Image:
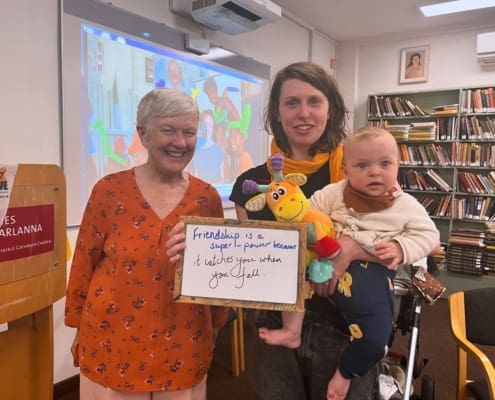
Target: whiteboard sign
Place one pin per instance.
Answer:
(255, 264)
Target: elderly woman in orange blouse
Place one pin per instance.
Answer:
(132, 340)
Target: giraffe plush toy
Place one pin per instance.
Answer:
(288, 203)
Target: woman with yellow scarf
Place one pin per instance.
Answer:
(306, 115)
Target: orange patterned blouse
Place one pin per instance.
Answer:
(133, 336)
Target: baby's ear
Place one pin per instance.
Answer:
(344, 169)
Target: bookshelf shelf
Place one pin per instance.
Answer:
(437, 217)
(475, 194)
(471, 167)
(480, 114)
(471, 220)
(446, 140)
(418, 166)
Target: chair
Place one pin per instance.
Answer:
(236, 320)
(472, 323)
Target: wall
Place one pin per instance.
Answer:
(372, 66)
(30, 103)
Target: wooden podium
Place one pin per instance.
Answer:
(32, 277)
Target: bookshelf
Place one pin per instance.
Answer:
(446, 140)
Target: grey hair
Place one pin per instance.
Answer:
(165, 103)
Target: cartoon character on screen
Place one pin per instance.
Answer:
(288, 203)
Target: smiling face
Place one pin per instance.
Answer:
(170, 142)
(303, 113)
(371, 163)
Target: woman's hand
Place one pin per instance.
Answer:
(74, 349)
(349, 251)
(321, 289)
(176, 242)
(340, 264)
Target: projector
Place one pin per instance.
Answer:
(235, 17)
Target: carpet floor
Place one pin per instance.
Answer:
(435, 344)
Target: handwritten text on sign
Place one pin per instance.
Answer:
(256, 263)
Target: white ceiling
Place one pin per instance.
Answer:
(356, 19)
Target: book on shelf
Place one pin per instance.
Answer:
(427, 202)
(431, 204)
(404, 154)
(439, 181)
(466, 241)
(490, 99)
(490, 188)
(465, 258)
(445, 109)
(487, 100)
(447, 128)
(470, 182)
(482, 100)
(400, 112)
(469, 237)
(445, 207)
(476, 208)
(490, 228)
(463, 184)
(415, 109)
(407, 180)
(458, 207)
(490, 212)
(487, 126)
(424, 157)
(466, 106)
(423, 130)
(477, 102)
(414, 155)
(398, 131)
(485, 207)
(442, 154)
(465, 128)
(479, 179)
(490, 178)
(423, 183)
(474, 154)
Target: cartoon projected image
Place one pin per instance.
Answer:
(117, 71)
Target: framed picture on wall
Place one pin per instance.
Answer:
(414, 64)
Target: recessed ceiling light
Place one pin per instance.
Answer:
(450, 7)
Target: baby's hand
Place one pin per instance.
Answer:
(389, 254)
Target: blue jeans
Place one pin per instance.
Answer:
(304, 373)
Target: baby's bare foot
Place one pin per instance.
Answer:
(281, 337)
(338, 387)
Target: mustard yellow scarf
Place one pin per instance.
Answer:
(334, 160)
